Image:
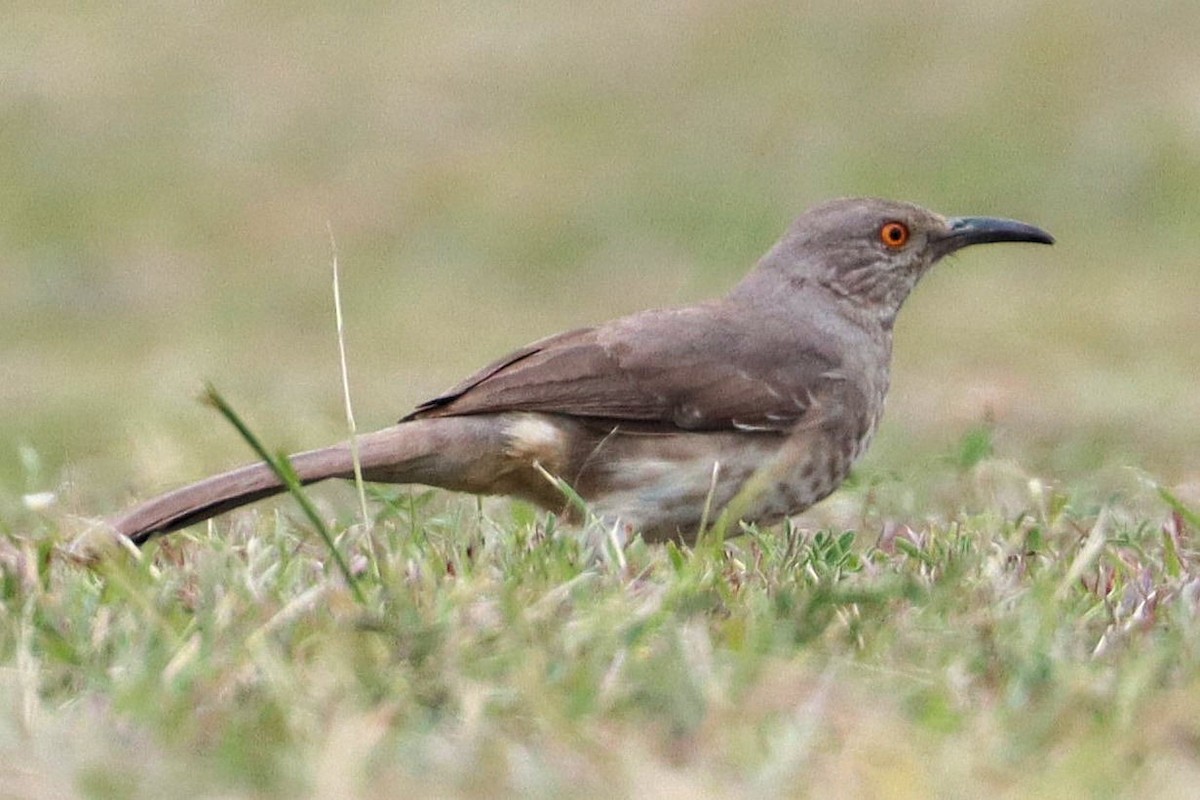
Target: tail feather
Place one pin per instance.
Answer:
(447, 452)
(220, 493)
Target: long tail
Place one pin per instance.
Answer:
(461, 453)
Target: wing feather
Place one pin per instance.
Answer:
(697, 368)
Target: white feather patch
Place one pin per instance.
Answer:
(533, 437)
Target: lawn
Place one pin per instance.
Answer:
(1002, 600)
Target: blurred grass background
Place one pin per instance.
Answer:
(494, 172)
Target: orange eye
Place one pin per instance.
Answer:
(894, 234)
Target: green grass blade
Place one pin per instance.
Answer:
(282, 468)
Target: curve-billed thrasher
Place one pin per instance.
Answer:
(661, 417)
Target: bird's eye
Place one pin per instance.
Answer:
(894, 234)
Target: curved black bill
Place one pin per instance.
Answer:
(965, 231)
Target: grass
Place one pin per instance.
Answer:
(1001, 600)
(1049, 649)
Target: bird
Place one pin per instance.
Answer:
(755, 404)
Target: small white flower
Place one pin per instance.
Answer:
(39, 501)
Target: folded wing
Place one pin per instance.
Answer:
(692, 369)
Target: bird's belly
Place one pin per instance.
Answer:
(666, 486)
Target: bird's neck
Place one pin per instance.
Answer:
(770, 287)
(868, 293)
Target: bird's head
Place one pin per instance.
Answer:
(872, 252)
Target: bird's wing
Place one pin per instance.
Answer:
(697, 368)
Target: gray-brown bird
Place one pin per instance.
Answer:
(661, 418)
